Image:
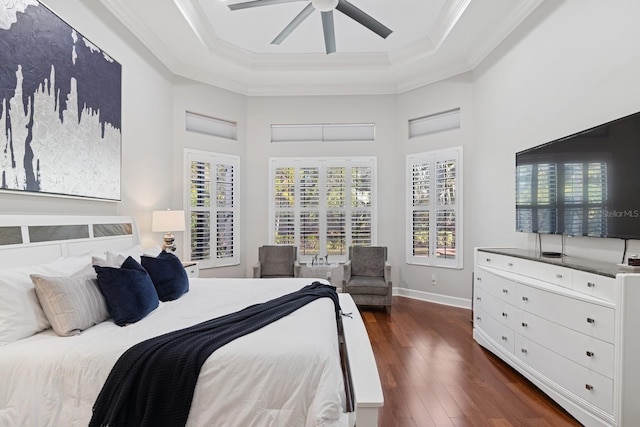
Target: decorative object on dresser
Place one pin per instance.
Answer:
(167, 222)
(277, 261)
(367, 276)
(565, 324)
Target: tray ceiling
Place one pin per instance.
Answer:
(431, 40)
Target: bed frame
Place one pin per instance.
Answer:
(36, 239)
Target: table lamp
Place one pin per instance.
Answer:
(168, 221)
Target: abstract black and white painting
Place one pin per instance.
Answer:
(60, 107)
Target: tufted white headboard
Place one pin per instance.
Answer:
(36, 239)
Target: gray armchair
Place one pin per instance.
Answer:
(277, 261)
(367, 276)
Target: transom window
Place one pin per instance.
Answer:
(322, 205)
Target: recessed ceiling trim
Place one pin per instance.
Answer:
(502, 32)
(194, 15)
(448, 18)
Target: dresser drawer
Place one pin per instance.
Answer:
(585, 350)
(500, 310)
(501, 334)
(584, 383)
(498, 286)
(489, 260)
(587, 318)
(595, 285)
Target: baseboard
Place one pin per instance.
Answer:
(430, 297)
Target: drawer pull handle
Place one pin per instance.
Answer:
(510, 264)
(478, 318)
(590, 353)
(524, 325)
(504, 338)
(479, 298)
(504, 314)
(488, 259)
(590, 320)
(558, 276)
(505, 291)
(479, 279)
(591, 285)
(588, 387)
(525, 298)
(523, 350)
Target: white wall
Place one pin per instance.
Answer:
(572, 65)
(219, 103)
(452, 286)
(146, 126)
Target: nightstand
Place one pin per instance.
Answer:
(192, 268)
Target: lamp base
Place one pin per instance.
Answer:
(168, 243)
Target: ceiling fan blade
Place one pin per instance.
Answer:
(358, 15)
(329, 32)
(256, 3)
(308, 10)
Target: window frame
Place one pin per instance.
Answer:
(431, 259)
(214, 158)
(324, 163)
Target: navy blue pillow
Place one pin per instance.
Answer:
(168, 275)
(128, 291)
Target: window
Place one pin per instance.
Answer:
(212, 208)
(210, 126)
(433, 123)
(322, 206)
(576, 208)
(323, 132)
(434, 211)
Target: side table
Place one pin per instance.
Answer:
(192, 268)
(331, 272)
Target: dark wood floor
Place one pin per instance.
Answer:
(434, 374)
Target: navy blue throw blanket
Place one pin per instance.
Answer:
(152, 384)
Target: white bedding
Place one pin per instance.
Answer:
(286, 374)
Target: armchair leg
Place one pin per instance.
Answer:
(388, 308)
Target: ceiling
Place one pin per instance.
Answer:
(431, 40)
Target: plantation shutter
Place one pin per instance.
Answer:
(433, 208)
(322, 205)
(212, 208)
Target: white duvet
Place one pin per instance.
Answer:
(286, 374)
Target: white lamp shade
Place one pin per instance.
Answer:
(164, 221)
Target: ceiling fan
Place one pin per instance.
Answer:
(326, 8)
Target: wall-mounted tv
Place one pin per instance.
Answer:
(586, 184)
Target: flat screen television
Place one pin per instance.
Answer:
(586, 184)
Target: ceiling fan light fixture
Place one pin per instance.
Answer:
(324, 5)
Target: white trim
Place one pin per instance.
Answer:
(431, 297)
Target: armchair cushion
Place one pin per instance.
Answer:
(363, 285)
(277, 261)
(368, 261)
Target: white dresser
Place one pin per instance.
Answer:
(571, 326)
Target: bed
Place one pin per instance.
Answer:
(297, 371)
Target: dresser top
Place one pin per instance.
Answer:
(590, 266)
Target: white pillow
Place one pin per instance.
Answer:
(118, 257)
(20, 312)
(71, 303)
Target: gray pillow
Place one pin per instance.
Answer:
(71, 304)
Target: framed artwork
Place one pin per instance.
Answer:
(60, 107)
